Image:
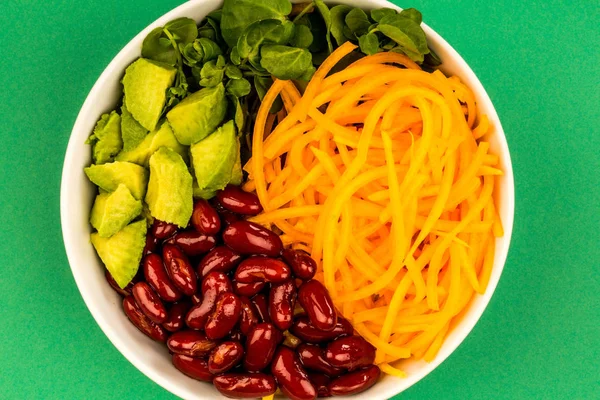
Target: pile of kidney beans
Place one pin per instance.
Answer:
(233, 320)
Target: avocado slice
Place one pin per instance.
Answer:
(132, 132)
(112, 212)
(213, 158)
(206, 194)
(198, 115)
(162, 137)
(169, 195)
(106, 139)
(110, 175)
(122, 252)
(145, 86)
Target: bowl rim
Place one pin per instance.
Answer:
(152, 372)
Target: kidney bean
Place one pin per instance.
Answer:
(190, 343)
(194, 243)
(176, 316)
(355, 382)
(225, 356)
(249, 316)
(234, 199)
(180, 270)
(282, 299)
(205, 218)
(302, 264)
(235, 336)
(149, 303)
(248, 289)
(292, 378)
(247, 237)
(196, 368)
(221, 258)
(126, 291)
(311, 356)
(350, 352)
(224, 317)
(306, 331)
(151, 244)
(228, 218)
(213, 285)
(141, 321)
(156, 276)
(321, 384)
(261, 343)
(262, 269)
(260, 302)
(290, 340)
(162, 230)
(317, 303)
(196, 298)
(245, 386)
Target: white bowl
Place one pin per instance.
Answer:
(77, 194)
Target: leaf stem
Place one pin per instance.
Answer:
(309, 8)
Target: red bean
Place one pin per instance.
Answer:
(162, 230)
(194, 243)
(195, 368)
(126, 291)
(350, 352)
(156, 276)
(311, 356)
(180, 270)
(149, 303)
(261, 343)
(234, 199)
(317, 303)
(225, 356)
(213, 285)
(245, 386)
(196, 298)
(205, 218)
(248, 289)
(247, 237)
(176, 318)
(262, 269)
(190, 343)
(151, 244)
(282, 299)
(260, 302)
(302, 264)
(321, 384)
(224, 317)
(249, 316)
(355, 382)
(292, 378)
(221, 258)
(236, 336)
(141, 321)
(228, 218)
(306, 331)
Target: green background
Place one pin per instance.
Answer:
(539, 61)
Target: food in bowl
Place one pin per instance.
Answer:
(365, 157)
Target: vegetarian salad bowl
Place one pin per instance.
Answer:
(357, 287)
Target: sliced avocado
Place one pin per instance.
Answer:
(131, 130)
(106, 138)
(213, 158)
(169, 195)
(206, 194)
(109, 176)
(122, 252)
(236, 173)
(198, 115)
(145, 86)
(112, 212)
(166, 138)
(162, 137)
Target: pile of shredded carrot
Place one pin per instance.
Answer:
(382, 172)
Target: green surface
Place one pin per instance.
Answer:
(538, 339)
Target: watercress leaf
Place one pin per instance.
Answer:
(388, 44)
(184, 30)
(326, 15)
(412, 13)
(211, 74)
(406, 32)
(358, 22)
(432, 59)
(238, 87)
(221, 63)
(378, 14)
(239, 14)
(369, 43)
(192, 55)
(285, 62)
(210, 49)
(308, 74)
(266, 31)
(338, 21)
(413, 55)
(238, 113)
(303, 37)
(262, 85)
(158, 47)
(235, 56)
(233, 72)
(348, 35)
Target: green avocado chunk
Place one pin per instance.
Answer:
(162, 137)
(132, 132)
(198, 115)
(122, 252)
(112, 212)
(213, 158)
(169, 195)
(106, 139)
(145, 86)
(109, 176)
